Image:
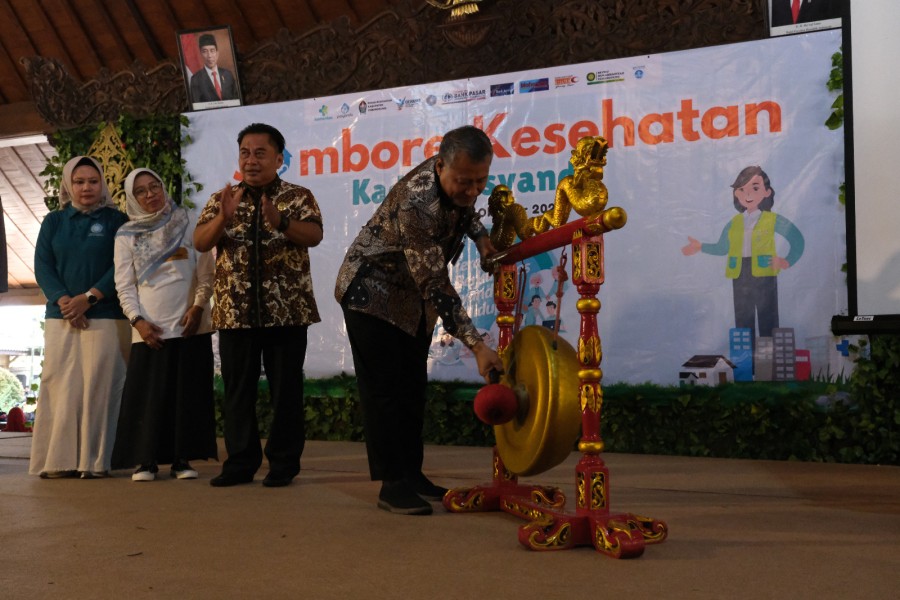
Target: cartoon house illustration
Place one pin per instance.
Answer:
(706, 369)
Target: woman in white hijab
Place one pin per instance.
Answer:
(85, 333)
(164, 286)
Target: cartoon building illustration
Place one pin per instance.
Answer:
(818, 354)
(774, 358)
(783, 353)
(707, 369)
(740, 347)
(802, 366)
(764, 360)
(831, 357)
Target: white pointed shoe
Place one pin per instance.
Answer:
(182, 470)
(144, 473)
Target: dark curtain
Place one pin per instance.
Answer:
(4, 273)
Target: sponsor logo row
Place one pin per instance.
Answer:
(542, 84)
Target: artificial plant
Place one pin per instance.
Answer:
(152, 142)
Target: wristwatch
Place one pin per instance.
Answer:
(134, 320)
(92, 299)
(284, 223)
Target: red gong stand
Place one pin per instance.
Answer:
(551, 525)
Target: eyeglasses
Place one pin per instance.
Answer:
(141, 193)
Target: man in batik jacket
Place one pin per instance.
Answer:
(264, 304)
(392, 286)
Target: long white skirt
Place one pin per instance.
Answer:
(81, 391)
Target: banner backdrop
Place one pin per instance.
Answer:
(681, 127)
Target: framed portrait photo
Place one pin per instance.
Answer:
(801, 16)
(209, 67)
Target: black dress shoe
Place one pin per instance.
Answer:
(276, 479)
(228, 480)
(426, 489)
(399, 498)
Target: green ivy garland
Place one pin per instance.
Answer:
(154, 142)
(836, 84)
(836, 118)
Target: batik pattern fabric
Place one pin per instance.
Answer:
(262, 278)
(397, 267)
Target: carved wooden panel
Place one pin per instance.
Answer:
(65, 102)
(409, 44)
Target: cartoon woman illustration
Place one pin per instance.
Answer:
(533, 315)
(748, 240)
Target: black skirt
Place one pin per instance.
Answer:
(167, 408)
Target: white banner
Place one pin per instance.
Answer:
(681, 127)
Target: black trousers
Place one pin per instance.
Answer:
(283, 351)
(755, 298)
(392, 373)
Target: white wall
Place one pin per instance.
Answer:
(875, 39)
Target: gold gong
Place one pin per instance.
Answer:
(545, 378)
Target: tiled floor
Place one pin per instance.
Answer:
(737, 529)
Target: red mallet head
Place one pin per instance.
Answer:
(496, 404)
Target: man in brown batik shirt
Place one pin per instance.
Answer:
(392, 286)
(264, 304)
